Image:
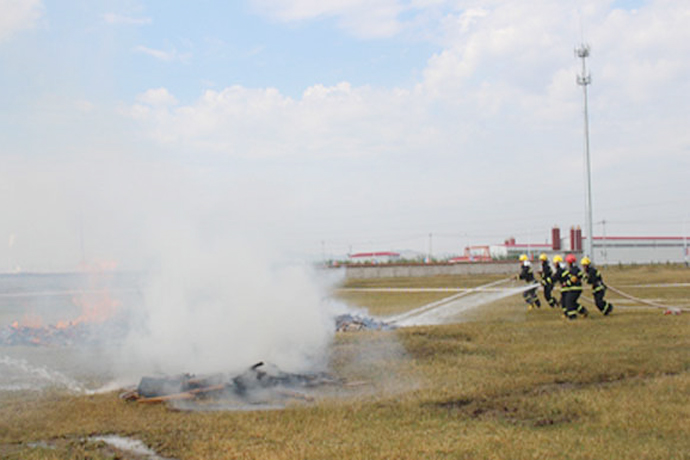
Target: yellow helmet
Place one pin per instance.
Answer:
(585, 261)
(523, 257)
(557, 259)
(543, 257)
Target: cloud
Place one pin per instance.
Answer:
(167, 56)
(119, 19)
(18, 15)
(157, 97)
(362, 18)
(335, 121)
(501, 67)
(84, 106)
(497, 101)
(652, 57)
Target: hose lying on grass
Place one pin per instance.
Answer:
(646, 303)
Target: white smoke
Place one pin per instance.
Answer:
(224, 306)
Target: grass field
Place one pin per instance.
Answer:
(506, 384)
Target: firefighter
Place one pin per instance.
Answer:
(547, 279)
(593, 277)
(530, 295)
(571, 280)
(558, 278)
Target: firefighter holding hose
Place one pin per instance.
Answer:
(547, 279)
(526, 273)
(593, 277)
(558, 278)
(571, 281)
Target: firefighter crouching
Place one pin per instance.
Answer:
(593, 277)
(571, 281)
(547, 279)
(526, 274)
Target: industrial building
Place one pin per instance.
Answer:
(607, 250)
(640, 249)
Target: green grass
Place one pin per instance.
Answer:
(510, 384)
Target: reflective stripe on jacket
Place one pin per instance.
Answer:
(571, 279)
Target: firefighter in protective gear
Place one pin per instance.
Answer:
(558, 278)
(571, 281)
(547, 279)
(593, 277)
(530, 295)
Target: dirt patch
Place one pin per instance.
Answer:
(526, 406)
(512, 410)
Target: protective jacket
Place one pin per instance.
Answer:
(571, 278)
(593, 277)
(546, 273)
(526, 273)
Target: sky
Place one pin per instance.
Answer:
(314, 129)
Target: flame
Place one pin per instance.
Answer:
(96, 304)
(96, 307)
(32, 320)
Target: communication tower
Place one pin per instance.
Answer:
(584, 80)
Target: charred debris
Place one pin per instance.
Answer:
(350, 323)
(260, 384)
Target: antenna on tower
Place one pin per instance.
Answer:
(584, 80)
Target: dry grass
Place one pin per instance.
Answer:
(511, 384)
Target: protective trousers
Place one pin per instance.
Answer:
(548, 288)
(572, 307)
(530, 297)
(603, 305)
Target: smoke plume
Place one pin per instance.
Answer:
(221, 307)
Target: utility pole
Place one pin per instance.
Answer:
(603, 242)
(606, 255)
(10, 245)
(430, 240)
(584, 80)
(685, 243)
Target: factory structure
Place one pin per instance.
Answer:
(607, 250)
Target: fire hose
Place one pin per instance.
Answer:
(425, 308)
(646, 302)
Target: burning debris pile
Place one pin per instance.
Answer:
(348, 323)
(101, 317)
(53, 335)
(258, 384)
